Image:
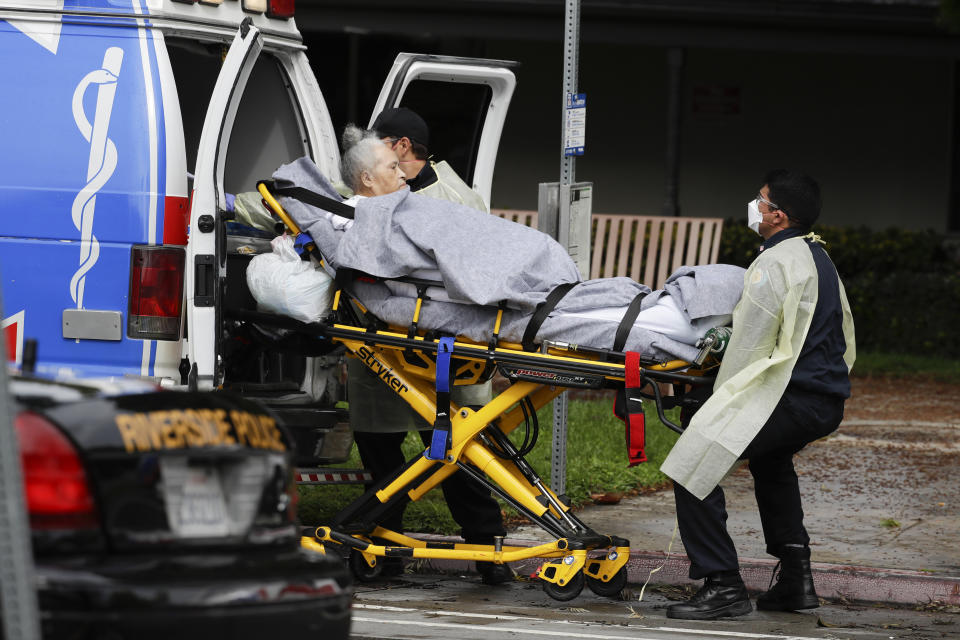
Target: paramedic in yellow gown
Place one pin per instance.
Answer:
(782, 385)
(378, 417)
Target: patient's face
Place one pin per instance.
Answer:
(386, 176)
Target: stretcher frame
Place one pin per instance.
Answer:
(478, 445)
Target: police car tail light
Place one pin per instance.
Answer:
(55, 482)
(156, 292)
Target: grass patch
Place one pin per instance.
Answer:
(905, 365)
(596, 461)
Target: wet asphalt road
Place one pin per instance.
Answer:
(429, 606)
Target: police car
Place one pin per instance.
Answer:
(159, 514)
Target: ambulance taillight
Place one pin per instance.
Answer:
(273, 8)
(280, 8)
(156, 292)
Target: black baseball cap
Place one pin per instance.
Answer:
(400, 122)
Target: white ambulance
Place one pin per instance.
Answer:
(110, 256)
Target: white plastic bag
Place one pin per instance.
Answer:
(283, 283)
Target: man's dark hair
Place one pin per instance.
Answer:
(400, 122)
(797, 195)
(420, 152)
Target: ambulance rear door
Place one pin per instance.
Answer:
(464, 102)
(265, 110)
(205, 251)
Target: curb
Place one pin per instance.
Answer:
(834, 582)
(842, 583)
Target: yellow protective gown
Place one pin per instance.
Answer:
(449, 186)
(770, 324)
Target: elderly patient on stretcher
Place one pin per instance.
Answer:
(484, 261)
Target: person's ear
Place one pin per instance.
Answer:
(366, 179)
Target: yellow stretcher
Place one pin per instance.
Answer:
(407, 361)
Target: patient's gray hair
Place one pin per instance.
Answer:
(359, 154)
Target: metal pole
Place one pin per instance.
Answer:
(17, 585)
(571, 61)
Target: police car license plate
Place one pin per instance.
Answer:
(195, 501)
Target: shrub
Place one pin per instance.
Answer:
(903, 286)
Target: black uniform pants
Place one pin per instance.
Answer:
(798, 419)
(470, 503)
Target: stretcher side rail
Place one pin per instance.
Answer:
(613, 372)
(549, 368)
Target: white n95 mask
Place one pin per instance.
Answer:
(754, 218)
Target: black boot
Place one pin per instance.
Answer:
(390, 566)
(721, 596)
(794, 589)
(492, 573)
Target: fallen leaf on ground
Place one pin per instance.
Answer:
(938, 606)
(609, 497)
(634, 614)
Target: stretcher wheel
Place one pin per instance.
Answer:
(566, 592)
(611, 588)
(361, 570)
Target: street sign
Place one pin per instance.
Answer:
(575, 124)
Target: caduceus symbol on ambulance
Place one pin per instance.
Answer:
(102, 162)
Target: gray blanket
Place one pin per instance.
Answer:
(484, 260)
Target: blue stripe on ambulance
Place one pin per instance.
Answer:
(65, 233)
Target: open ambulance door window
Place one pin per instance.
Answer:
(464, 102)
(204, 268)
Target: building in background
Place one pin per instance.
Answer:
(690, 102)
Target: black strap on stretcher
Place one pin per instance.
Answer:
(440, 440)
(541, 312)
(626, 323)
(628, 406)
(315, 199)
